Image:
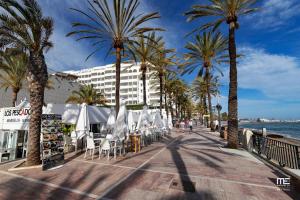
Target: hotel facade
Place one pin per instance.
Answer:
(103, 78)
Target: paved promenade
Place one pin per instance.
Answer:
(182, 166)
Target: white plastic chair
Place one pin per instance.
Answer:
(119, 145)
(105, 147)
(74, 140)
(90, 146)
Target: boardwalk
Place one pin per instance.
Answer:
(164, 170)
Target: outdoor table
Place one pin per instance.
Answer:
(135, 142)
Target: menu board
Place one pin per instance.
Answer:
(52, 141)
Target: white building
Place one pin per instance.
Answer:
(131, 87)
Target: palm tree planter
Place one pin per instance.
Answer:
(115, 27)
(226, 11)
(22, 20)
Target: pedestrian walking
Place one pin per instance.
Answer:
(191, 125)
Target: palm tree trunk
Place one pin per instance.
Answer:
(232, 100)
(160, 93)
(166, 105)
(201, 109)
(205, 110)
(37, 78)
(176, 109)
(144, 69)
(171, 109)
(207, 77)
(118, 73)
(14, 97)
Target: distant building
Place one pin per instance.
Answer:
(131, 87)
(62, 86)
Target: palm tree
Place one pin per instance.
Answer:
(144, 51)
(226, 11)
(117, 27)
(87, 94)
(168, 78)
(200, 91)
(14, 71)
(179, 91)
(23, 26)
(161, 66)
(207, 51)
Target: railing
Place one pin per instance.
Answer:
(284, 153)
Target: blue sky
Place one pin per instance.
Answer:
(269, 73)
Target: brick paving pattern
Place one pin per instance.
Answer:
(181, 158)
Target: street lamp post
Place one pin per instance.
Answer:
(219, 108)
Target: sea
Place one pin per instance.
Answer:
(287, 129)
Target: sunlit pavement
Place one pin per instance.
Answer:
(164, 170)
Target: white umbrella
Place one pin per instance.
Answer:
(170, 122)
(121, 123)
(111, 120)
(131, 123)
(144, 119)
(83, 122)
(158, 123)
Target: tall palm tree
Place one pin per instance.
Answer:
(207, 50)
(23, 25)
(168, 78)
(179, 91)
(161, 66)
(13, 71)
(226, 11)
(169, 93)
(144, 51)
(87, 94)
(117, 26)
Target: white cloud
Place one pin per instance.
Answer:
(275, 13)
(277, 76)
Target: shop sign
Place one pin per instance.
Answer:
(13, 115)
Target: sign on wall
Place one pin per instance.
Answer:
(52, 141)
(15, 118)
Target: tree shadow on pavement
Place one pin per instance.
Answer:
(45, 187)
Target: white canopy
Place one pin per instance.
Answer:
(70, 113)
(17, 118)
(121, 123)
